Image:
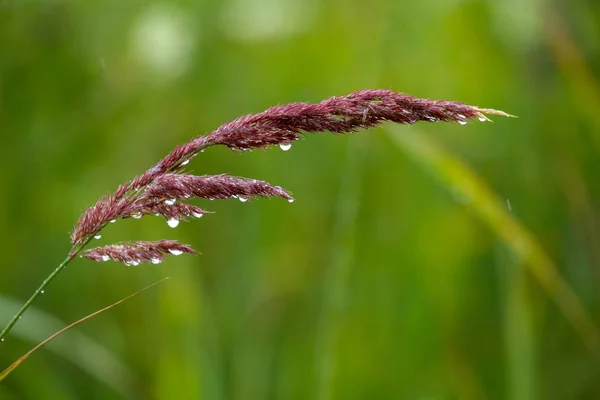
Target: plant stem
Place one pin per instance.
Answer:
(39, 291)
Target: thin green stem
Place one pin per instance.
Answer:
(72, 254)
(39, 291)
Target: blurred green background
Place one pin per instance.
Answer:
(432, 261)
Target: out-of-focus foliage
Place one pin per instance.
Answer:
(380, 281)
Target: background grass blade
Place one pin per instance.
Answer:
(86, 353)
(486, 205)
(94, 354)
(343, 246)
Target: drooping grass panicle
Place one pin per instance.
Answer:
(160, 198)
(156, 190)
(363, 109)
(184, 186)
(134, 253)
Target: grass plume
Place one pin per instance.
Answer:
(166, 181)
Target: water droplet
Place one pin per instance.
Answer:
(3, 339)
(173, 222)
(112, 221)
(127, 263)
(185, 162)
(483, 118)
(155, 260)
(42, 292)
(170, 202)
(135, 263)
(202, 151)
(243, 199)
(186, 196)
(285, 146)
(197, 215)
(175, 252)
(105, 257)
(137, 215)
(290, 200)
(462, 122)
(97, 236)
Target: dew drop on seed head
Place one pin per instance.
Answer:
(127, 263)
(135, 263)
(243, 199)
(175, 252)
(155, 260)
(285, 146)
(197, 215)
(483, 118)
(105, 257)
(97, 236)
(185, 162)
(462, 122)
(137, 215)
(173, 222)
(170, 202)
(290, 200)
(112, 221)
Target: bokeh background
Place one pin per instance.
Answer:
(433, 261)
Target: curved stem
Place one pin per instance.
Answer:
(39, 291)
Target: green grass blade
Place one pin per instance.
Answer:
(486, 205)
(101, 374)
(338, 268)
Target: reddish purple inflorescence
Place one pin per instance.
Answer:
(164, 189)
(134, 253)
